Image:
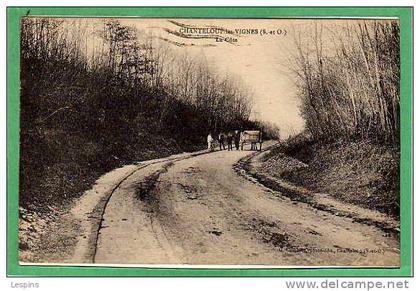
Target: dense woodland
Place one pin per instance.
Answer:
(108, 95)
(348, 76)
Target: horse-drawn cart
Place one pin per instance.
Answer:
(252, 137)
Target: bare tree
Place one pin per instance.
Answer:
(353, 90)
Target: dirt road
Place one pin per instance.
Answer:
(198, 210)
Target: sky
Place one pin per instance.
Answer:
(259, 60)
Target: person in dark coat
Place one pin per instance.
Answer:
(222, 141)
(229, 140)
(237, 139)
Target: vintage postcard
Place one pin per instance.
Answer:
(215, 143)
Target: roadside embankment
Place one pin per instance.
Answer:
(358, 180)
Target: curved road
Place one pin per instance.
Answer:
(200, 211)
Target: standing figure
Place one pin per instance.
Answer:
(253, 146)
(222, 141)
(209, 141)
(229, 140)
(237, 139)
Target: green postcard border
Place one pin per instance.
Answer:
(405, 14)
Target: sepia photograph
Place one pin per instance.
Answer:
(209, 142)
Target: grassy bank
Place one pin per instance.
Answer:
(59, 166)
(359, 172)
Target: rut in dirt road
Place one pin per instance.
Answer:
(199, 211)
